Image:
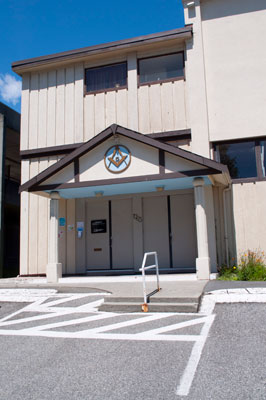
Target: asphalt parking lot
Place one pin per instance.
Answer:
(62, 348)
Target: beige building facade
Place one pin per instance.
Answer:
(124, 147)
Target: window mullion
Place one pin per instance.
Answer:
(258, 159)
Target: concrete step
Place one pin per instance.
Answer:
(153, 299)
(152, 307)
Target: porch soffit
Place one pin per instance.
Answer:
(203, 166)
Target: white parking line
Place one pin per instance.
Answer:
(192, 365)
(40, 304)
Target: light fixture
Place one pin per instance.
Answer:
(191, 4)
(55, 196)
(160, 188)
(98, 194)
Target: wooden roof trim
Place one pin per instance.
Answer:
(68, 148)
(104, 135)
(185, 32)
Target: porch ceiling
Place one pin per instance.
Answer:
(128, 188)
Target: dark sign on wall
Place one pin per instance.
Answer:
(98, 226)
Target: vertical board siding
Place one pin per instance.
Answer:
(33, 223)
(25, 106)
(179, 105)
(60, 107)
(155, 108)
(24, 220)
(110, 108)
(55, 112)
(51, 108)
(167, 106)
(132, 81)
(69, 106)
(144, 109)
(33, 114)
(81, 242)
(42, 111)
(71, 238)
(79, 77)
(43, 205)
(162, 107)
(121, 107)
(62, 235)
(103, 109)
(99, 112)
(89, 117)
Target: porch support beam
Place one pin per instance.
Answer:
(53, 268)
(203, 259)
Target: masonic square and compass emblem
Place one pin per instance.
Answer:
(117, 159)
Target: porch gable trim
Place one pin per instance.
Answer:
(104, 135)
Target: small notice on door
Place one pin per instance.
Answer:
(98, 226)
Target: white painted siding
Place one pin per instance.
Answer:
(103, 109)
(52, 108)
(162, 107)
(250, 216)
(235, 60)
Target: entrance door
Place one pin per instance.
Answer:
(122, 234)
(183, 227)
(97, 235)
(109, 238)
(156, 228)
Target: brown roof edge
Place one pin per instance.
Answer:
(68, 148)
(105, 134)
(82, 52)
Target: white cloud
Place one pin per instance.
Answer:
(10, 88)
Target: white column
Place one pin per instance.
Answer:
(132, 92)
(54, 268)
(196, 82)
(203, 260)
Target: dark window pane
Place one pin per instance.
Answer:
(240, 159)
(107, 77)
(160, 68)
(263, 156)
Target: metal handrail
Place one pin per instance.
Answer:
(143, 269)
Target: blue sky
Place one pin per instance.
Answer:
(31, 28)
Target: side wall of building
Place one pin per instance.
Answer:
(235, 64)
(229, 78)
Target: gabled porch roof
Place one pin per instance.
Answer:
(175, 169)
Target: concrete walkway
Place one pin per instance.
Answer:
(173, 285)
(183, 291)
(177, 290)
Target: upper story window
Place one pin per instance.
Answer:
(108, 77)
(245, 159)
(161, 68)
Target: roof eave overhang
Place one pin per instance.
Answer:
(23, 66)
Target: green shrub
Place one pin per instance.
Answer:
(251, 267)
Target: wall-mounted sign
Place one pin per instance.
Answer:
(62, 221)
(98, 226)
(80, 228)
(117, 159)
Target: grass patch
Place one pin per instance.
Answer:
(251, 267)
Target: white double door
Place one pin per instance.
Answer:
(112, 249)
(168, 227)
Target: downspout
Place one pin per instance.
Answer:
(227, 189)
